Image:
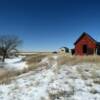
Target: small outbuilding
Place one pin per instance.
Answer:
(86, 45)
(63, 50)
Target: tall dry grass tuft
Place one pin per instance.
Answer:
(34, 60)
(73, 60)
(7, 76)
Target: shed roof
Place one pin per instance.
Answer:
(64, 47)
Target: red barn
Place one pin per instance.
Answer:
(86, 45)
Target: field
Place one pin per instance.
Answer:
(19, 65)
(52, 77)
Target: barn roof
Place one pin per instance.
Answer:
(83, 34)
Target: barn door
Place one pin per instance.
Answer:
(85, 49)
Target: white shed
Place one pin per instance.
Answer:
(63, 50)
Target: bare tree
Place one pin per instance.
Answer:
(8, 43)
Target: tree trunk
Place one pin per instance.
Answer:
(3, 59)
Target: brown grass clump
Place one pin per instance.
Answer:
(73, 60)
(34, 60)
(6, 76)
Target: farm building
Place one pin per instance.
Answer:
(86, 45)
(63, 50)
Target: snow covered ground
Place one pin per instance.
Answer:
(16, 63)
(53, 83)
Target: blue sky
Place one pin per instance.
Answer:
(46, 25)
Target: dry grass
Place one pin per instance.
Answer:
(34, 60)
(6, 76)
(73, 60)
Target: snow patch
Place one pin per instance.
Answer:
(16, 63)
